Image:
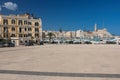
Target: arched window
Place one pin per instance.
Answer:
(25, 29)
(12, 21)
(29, 29)
(29, 23)
(13, 28)
(20, 22)
(5, 21)
(36, 29)
(20, 29)
(25, 22)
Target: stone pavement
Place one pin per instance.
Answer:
(60, 62)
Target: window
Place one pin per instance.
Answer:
(20, 22)
(29, 29)
(36, 35)
(29, 23)
(20, 29)
(12, 35)
(25, 35)
(25, 22)
(29, 35)
(5, 35)
(13, 28)
(36, 24)
(20, 35)
(12, 21)
(5, 21)
(36, 29)
(5, 29)
(25, 29)
(5, 32)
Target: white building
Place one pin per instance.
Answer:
(79, 34)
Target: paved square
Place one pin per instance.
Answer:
(60, 62)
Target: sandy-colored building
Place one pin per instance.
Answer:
(102, 33)
(79, 34)
(60, 35)
(22, 27)
(99, 34)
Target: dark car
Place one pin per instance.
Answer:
(6, 43)
(10, 44)
(41, 43)
(110, 42)
(87, 42)
(1, 45)
(29, 44)
(69, 42)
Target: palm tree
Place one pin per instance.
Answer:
(60, 30)
(50, 35)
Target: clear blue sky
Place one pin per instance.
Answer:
(71, 14)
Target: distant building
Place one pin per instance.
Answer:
(22, 27)
(79, 34)
(102, 33)
(97, 34)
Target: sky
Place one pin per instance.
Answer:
(69, 14)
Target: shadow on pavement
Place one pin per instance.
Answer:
(59, 74)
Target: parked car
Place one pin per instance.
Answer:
(76, 42)
(1, 44)
(95, 42)
(41, 43)
(46, 40)
(29, 43)
(69, 41)
(87, 42)
(11, 44)
(55, 41)
(7, 44)
(110, 42)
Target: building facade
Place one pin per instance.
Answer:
(97, 34)
(102, 33)
(23, 27)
